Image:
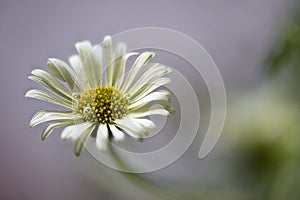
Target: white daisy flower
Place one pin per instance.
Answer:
(107, 106)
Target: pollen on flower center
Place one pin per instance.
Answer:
(102, 104)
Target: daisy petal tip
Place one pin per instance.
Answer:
(51, 60)
(31, 78)
(36, 71)
(82, 42)
(146, 133)
(31, 123)
(77, 153)
(45, 134)
(107, 41)
(102, 146)
(151, 127)
(78, 149)
(43, 137)
(64, 135)
(118, 135)
(152, 53)
(169, 110)
(168, 80)
(168, 70)
(119, 140)
(26, 94)
(34, 119)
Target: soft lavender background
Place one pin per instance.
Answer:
(236, 33)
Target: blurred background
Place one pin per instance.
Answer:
(255, 44)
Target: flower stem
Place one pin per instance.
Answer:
(141, 182)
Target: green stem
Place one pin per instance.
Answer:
(137, 180)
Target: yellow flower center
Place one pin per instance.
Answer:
(102, 104)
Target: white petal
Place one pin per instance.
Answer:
(81, 78)
(55, 71)
(83, 138)
(84, 49)
(108, 57)
(51, 126)
(44, 96)
(138, 64)
(102, 137)
(122, 69)
(76, 63)
(148, 111)
(120, 49)
(152, 73)
(145, 123)
(139, 94)
(97, 56)
(63, 71)
(74, 131)
(117, 134)
(51, 115)
(114, 69)
(154, 96)
(133, 129)
(49, 82)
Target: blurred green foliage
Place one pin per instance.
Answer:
(267, 136)
(286, 51)
(263, 131)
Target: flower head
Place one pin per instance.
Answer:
(109, 105)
